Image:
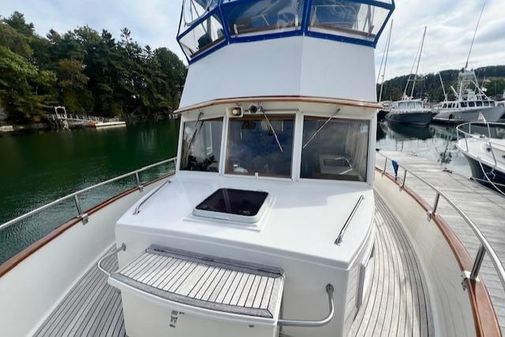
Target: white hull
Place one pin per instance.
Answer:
(470, 115)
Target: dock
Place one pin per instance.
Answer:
(485, 207)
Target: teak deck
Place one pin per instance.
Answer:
(485, 207)
(398, 304)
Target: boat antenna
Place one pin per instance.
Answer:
(385, 61)
(418, 62)
(474, 34)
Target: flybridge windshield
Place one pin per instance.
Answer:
(207, 24)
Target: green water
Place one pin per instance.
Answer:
(37, 168)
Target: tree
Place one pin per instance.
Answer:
(72, 83)
(87, 71)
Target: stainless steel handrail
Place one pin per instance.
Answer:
(484, 248)
(75, 195)
(338, 241)
(315, 323)
(115, 251)
(139, 206)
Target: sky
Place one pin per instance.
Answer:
(450, 23)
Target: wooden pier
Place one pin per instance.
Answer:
(485, 207)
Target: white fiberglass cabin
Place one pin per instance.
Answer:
(272, 204)
(275, 220)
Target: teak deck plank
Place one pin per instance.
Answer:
(397, 304)
(485, 207)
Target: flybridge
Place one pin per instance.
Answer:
(207, 25)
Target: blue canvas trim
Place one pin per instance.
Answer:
(207, 52)
(304, 30)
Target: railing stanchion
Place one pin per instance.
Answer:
(83, 216)
(139, 185)
(435, 205)
(385, 165)
(478, 263)
(404, 177)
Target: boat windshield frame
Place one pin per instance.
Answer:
(219, 11)
(286, 145)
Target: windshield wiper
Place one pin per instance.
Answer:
(197, 130)
(273, 131)
(319, 129)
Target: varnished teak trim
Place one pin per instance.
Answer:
(28, 251)
(486, 323)
(299, 99)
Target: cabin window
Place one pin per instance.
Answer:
(260, 145)
(463, 104)
(486, 103)
(251, 17)
(471, 104)
(203, 36)
(201, 145)
(479, 103)
(347, 18)
(334, 149)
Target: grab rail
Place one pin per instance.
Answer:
(313, 324)
(115, 251)
(75, 195)
(338, 241)
(484, 247)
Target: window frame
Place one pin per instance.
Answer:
(181, 138)
(294, 147)
(371, 133)
(303, 30)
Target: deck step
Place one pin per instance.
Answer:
(205, 282)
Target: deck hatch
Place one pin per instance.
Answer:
(233, 204)
(206, 282)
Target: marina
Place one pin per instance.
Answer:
(289, 204)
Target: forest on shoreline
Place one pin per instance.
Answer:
(87, 71)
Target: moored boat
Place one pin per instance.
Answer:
(483, 145)
(409, 110)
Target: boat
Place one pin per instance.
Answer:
(483, 145)
(111, 123)
(470, 100)
(408, 110)
(273, 219)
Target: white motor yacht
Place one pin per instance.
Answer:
(470, 103)
(483, 145)
(273, 220)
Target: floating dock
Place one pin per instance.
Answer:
(485, 207)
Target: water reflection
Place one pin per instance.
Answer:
(436, 143)
(401, 131)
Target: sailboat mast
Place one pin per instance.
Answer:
(474, 34)
(443, 88)
(418, 61)
(388, 43)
